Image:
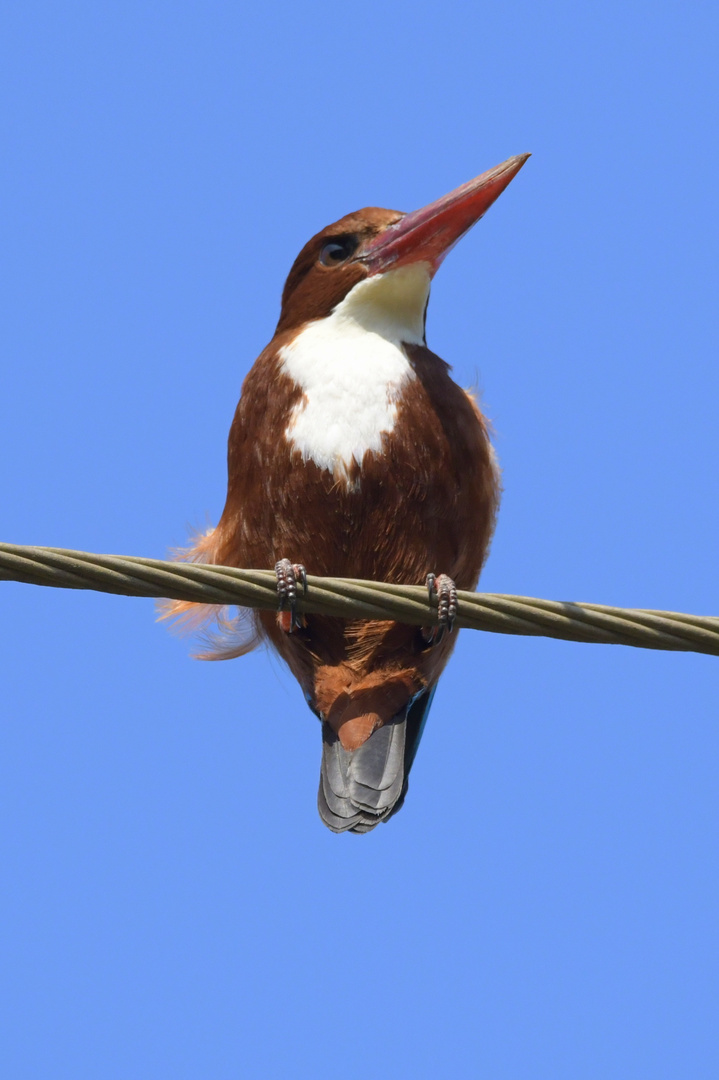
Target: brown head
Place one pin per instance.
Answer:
(373, 241)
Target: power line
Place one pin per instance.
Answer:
(129, 575)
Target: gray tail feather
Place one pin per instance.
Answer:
(359, 788)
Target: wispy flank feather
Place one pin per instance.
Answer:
(223, 632)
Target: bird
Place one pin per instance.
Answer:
(353, 453)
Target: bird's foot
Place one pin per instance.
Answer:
(288, 576)
(445, 590)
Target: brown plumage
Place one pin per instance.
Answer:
(413, 490)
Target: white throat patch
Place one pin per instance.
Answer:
(352, 368)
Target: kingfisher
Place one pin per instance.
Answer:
(353, 453)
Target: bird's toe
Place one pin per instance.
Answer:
(289, 576)
(444, 589)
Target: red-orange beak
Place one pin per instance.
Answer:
(427, 235)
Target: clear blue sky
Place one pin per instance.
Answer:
(546, 904)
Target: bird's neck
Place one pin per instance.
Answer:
(352, 368)
(391, 305)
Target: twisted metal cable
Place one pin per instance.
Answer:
(129, 575)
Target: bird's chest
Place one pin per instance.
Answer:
(351, 381)
(355, 453)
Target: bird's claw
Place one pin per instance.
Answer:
(288, 575)
(445, 590)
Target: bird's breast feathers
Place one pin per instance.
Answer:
(352, 369)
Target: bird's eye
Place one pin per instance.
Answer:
(338, 251)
